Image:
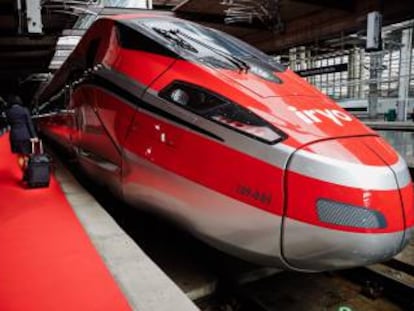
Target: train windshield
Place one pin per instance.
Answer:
(220, 110)
(210, 46)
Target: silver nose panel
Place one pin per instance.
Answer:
(311, 247)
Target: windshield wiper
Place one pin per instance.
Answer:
(242, 65)
(168, 34)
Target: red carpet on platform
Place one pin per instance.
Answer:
(47, 261)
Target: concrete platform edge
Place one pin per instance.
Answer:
(143, 283)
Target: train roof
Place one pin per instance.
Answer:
(172, 34)
(233, 70)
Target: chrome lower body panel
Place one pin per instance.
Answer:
(102, 173)
(311, 248)
(241, 229)
(221, 221)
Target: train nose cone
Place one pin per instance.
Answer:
(349, 203)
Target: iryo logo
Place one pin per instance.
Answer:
(311, 116)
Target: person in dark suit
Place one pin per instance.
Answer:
(22, 131)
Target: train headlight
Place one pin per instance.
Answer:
(221, 110)
(349, 215)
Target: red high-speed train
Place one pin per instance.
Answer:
(206, 129)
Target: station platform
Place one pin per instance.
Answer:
(399, 134)
(59, 250)
(391, 125)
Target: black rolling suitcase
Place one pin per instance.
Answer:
(37, 173)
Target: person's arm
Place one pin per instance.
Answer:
(30, 125)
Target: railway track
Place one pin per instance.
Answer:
(381, 287)
(311, 292)
(393, 279)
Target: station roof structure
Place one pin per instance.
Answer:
(270, 25)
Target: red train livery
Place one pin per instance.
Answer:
(209, 131)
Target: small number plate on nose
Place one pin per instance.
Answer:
(257, 195)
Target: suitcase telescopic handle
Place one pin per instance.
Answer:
(40, 146)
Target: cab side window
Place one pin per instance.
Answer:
(220, 110)
(131, 39)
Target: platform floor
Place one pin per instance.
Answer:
(60, 251)
(391, 125)
(403, 142)
(47, 261)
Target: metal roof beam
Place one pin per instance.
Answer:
(46, 41)
(347, 5)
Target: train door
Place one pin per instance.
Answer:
(56, 120)
(97, 151)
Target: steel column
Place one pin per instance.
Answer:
(404, 79)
